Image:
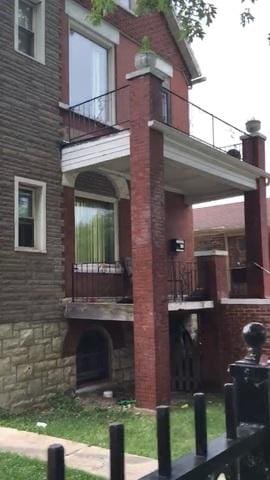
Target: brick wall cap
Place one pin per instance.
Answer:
(253, 135)
(211, 253)
(146, 71)
(245, 301)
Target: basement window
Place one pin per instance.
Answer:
(30, 215)
(30, 28)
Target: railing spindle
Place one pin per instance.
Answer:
(200, 424)
(117, 455)
(163, 441)
(56, 462)
(230, 411)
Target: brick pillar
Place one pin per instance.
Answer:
(213, 273)
(69, 238)
(151, 329)
(256, 228)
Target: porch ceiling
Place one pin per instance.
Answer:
(192, 168)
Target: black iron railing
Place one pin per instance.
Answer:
(91, 281)
(242, 453)
(197, 122)
(100, 115)
(182, 280)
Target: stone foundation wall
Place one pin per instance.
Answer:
(31, 368)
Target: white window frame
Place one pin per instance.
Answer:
(109, 46)
(38, 29)
(39, 214)
(105, 199)
(130, 9)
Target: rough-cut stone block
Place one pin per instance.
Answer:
(26, 337)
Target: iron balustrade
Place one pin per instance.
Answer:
(109, 113)
(242, 453)
(101, 115)
(182, 280)
(198, 123)
(91, 281)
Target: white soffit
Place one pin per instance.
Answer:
(94, 152)
(202, 157)
(79, 14)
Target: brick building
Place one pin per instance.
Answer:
(222, 227)
(100, 165)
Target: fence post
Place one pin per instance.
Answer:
(163, 441)
(252, 389)
(56, 462)
(200, 424)
(117, 454)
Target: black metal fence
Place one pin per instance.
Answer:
(242, 453)
(91, 281)
(182, 280)
(100, 115)
(197, 122)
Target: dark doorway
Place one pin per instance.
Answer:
(185, 354)
(92, 358)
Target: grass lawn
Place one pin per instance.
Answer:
(69, 419)
(15, 467)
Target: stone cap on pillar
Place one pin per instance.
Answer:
(211, 253)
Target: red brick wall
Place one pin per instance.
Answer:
(210, 242)
(222, 343)
(179, 224)
(132, 29)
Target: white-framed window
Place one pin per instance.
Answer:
(30, 28)
(30, 215)
(91, 75)
(96, 228)
(166, 101)
(126, 4)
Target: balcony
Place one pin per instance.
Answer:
(202, 153)
(109, 113)
(96, 282)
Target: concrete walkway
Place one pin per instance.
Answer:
(93, 460)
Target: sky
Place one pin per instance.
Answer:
(236, 62)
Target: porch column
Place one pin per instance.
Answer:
(213, 273)
(256, 228)
(151, 329)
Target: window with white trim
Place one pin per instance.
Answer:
(30, 28)
(30, 215)
(91, 75)
(96, 227)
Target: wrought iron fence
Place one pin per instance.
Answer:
(197, 122)
(242, 453)
(100, 115)
(91, 281)
(182, 280)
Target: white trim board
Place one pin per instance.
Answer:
(245, 301)
(103, 30)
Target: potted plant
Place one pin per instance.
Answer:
(253, 126)
(145, 56)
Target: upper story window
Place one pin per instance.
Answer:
(30, 215)
(166, 103)
(88, 69)
(127, 4)
(30, 28)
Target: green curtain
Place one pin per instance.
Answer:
(94, 231)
